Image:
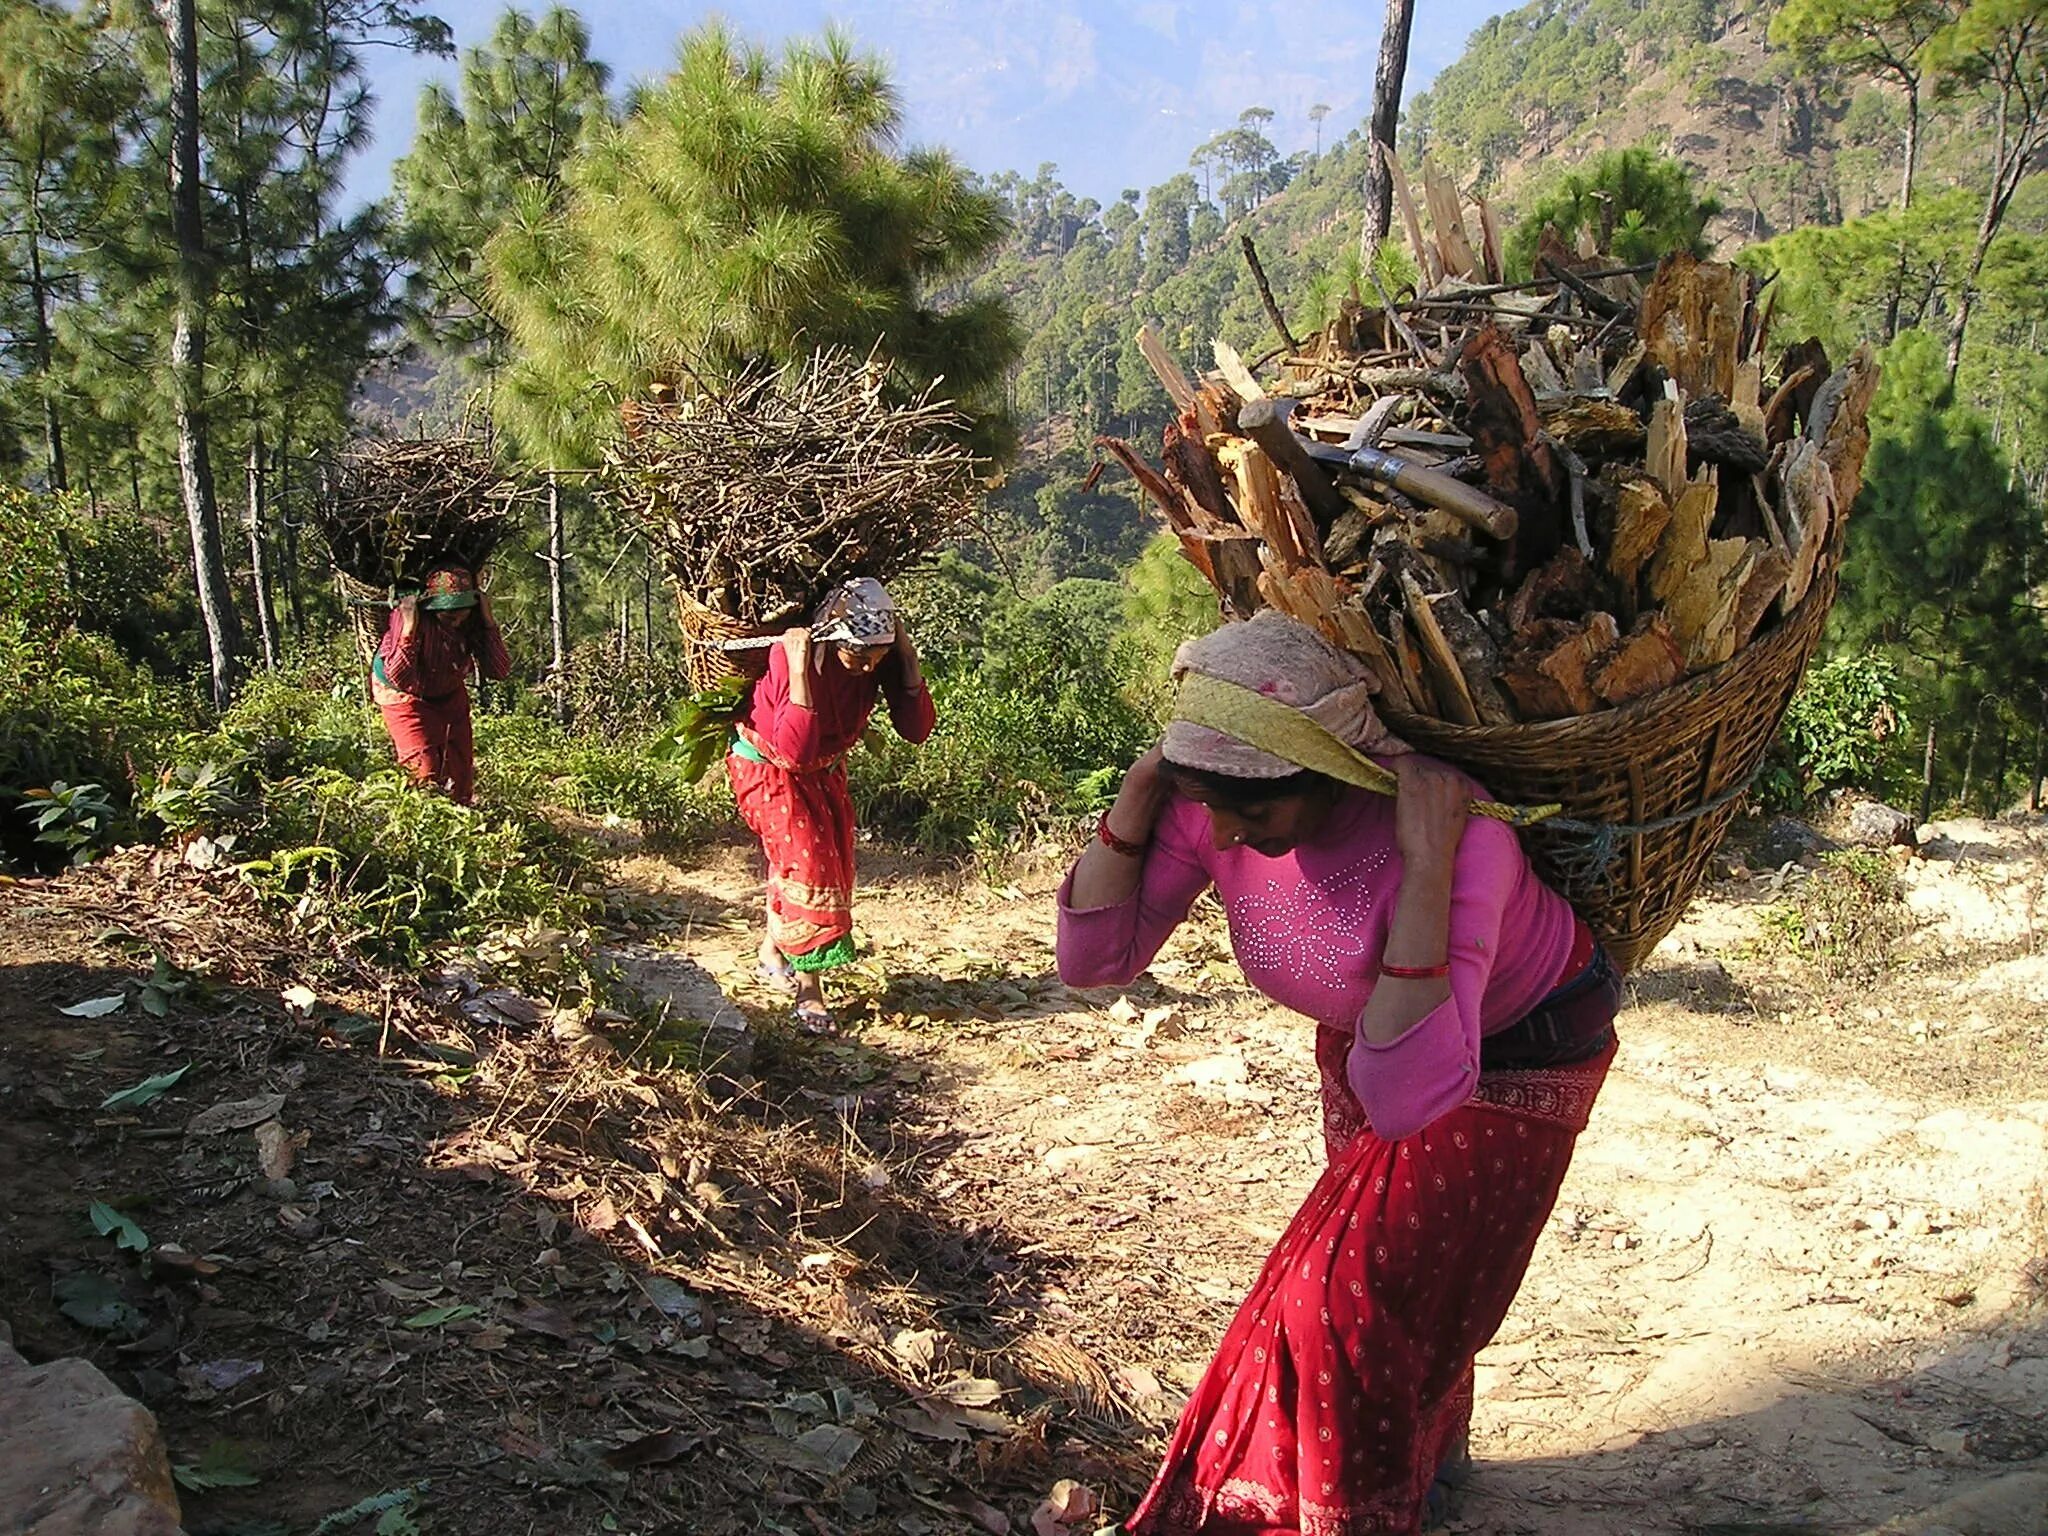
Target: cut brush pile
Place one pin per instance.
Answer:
(1555, 520)
(761, 497)
(399, 508)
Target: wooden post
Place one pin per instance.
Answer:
(558, 617)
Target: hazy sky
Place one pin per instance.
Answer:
(1115, 94)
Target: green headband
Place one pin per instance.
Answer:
(445, 602)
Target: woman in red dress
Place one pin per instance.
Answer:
(1465, 1021)
(788, 771)
(419, 678)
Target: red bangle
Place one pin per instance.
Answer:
(1117, 844)
(1415, 972)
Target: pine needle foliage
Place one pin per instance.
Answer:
(747, 209)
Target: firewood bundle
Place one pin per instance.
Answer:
(398, 508)
(760, 497)
(1521, 502)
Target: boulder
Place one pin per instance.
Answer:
(1872, 824)
(77, 1456)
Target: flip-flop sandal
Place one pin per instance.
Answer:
(815, 1019)
(781, 977)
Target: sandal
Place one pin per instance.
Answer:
(781, 977)
(814, 1019)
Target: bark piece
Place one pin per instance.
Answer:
(1563, 587)
(1809, 506)
(1647, 659)
(1691, 323)
(1549, 672)
(1641, 516)
(1590, 425)
(1701, 606)
(1427, 262)
(1457, 654)
(1665, 452)
(1845, 437)
(1683, 549)
(1762, 584)
(1191, 470)
(1505, 428)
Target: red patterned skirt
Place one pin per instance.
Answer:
(1347, 1373)
(805, 824)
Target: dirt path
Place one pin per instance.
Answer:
(1795, 1276)
(524, 1276)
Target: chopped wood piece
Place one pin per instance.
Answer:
(1489, 241)
(1683, 549)
(1448, 223)
(1641, 516)
(1192, 471)
(1263, 498)
(1408, 659)
(1180, 389)
(1234, 554)
(1810, 506)
(1349, 540)
(1163, 495)
(1691, 323)
(1845, 436)
(1701, 606)
(1747, 401)
(1647, 660)
(1549, 670)
(1762, 584)
(1457, 652)
(1265, 423)
(1563, 587)
(1780, 410)
(1216, 407)
(1427, 262)
(1234, 372)
(1505, 428)
(1804, 368)
(1666, 452)
(1593, 426)
(1540, 371)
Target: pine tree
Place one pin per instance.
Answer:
(746, 208)
(526, 99)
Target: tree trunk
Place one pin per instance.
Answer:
(2040, 755)
(1970, 755)
(288, 528)
(1912, 144)
(259, 553)
(1998, 758)
(188, 352)
(53, 429)
(1386, 118)
(647, 606)
(558, 604)
(1927, 777)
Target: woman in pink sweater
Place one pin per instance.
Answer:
(1464, 1025)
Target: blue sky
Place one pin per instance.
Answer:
(1116, 94)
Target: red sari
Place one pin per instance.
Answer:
(1346, 1376)
(792, 793)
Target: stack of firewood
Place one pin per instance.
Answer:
(397, 508)
(1520, 502)
(762, 494)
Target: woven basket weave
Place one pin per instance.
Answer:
(1665, 755)
(705, 630)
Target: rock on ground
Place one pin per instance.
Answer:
(77, 1457)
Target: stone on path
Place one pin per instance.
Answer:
(77, 1456)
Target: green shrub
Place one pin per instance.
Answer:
(1841, 731)
(72, 709)
(1849, 916)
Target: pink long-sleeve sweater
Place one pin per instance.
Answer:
(1309, 928)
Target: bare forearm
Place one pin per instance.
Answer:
(1104, 877)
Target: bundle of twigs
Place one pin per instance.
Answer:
(760, 496)
(397, 508)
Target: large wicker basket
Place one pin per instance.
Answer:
(705, 631)
(1665, 756)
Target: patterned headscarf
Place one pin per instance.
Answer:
(1287, 662)
(858, 612)
(449, 587)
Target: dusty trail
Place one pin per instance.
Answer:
(1795, 1277)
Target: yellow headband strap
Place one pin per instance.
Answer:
(1285, 732)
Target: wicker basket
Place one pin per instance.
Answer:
(705, 631)
(367, 612)
(1663, 756)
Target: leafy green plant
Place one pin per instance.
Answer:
(1841, 728)
(1848, 916)
(700, 730)
(223, 1464)
(75, 819)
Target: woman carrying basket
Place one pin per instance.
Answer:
(788, 771)
(419, 677)
(1465, 1024)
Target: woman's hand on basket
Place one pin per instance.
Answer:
(1136, 810)
(1430, 812)
(408, 614)
(796, 645)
